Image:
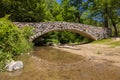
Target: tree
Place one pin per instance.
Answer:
(55, 10)
(107, 10)
(81, 6)
(26, 10)
(114, 14)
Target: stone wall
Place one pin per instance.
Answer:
(92, 32)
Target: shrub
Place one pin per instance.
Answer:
(4, 57)
(13, 41)
(27, 31)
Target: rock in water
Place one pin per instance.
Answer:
(14, 65)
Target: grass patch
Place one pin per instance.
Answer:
(103, 41)
(109, 41)
(115, 43)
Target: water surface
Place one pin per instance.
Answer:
(46, 63)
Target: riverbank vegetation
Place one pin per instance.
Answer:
(13, 41)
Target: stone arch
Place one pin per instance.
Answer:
(92, 32)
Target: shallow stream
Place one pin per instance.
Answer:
(46, 63)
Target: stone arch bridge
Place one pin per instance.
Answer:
(91, 32)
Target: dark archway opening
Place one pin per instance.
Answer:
(60, 37)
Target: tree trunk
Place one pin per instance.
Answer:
(115, 28)
(106, 22)
(79, 17)
(113, 23)
(106, 16)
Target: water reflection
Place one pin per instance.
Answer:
(56, 56)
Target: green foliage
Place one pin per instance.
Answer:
(27, 31)
(27, 11)
(106, 12)
(13, 41)
(53, 40)
(4, 57)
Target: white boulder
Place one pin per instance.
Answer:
(14, 65)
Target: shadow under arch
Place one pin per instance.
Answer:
(82, 33)
(42, 40)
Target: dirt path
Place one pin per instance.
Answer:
(96, 52)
